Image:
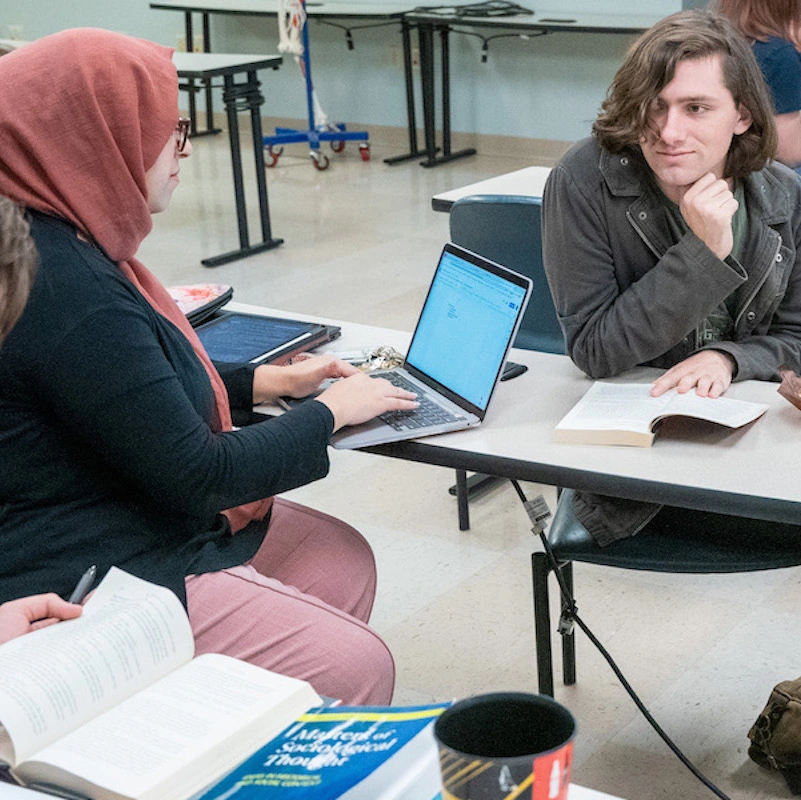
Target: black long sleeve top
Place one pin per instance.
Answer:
(107, 455)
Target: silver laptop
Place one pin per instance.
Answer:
(467, 325)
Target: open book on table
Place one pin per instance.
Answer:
(113, 706)
(626, 414)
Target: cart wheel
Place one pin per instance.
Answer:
(272, 155)
(339, 146)
(320, 160)
(364, 152)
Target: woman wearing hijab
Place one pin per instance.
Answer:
(115, 427)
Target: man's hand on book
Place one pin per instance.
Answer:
(708, 372)
(18, 617)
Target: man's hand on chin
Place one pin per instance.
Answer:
(708, 206)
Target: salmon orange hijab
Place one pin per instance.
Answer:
(83, 115)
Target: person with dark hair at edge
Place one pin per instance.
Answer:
(773, 27)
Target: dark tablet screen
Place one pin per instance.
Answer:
(242, 338)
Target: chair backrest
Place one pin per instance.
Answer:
(508, 229)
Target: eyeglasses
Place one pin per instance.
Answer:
(182, 133)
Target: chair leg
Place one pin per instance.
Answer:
(568, 635)
(540, 569)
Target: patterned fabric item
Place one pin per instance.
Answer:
(198, 301)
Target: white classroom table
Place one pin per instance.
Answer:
(750, 472)
(526, 182)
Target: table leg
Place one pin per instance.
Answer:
(248, 95)
(408, 78)
(190, 87)
(209, 99)
(425, 33)
(190, 83)
(255, 100)
(447, 154)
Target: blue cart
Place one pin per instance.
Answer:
(334, 133)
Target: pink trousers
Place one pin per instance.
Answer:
(299, 607)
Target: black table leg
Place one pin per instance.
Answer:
(248, 97)
(255, 100)
(190, 86)
(425, 34)
(190, 83)
(447, 154)
(408, 79)
(209, 101)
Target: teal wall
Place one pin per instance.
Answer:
(547, 87)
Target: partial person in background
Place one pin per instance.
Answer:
(774, 29)
(17, 264)
(115, 427)
(17, 268)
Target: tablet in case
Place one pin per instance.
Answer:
(235, 337)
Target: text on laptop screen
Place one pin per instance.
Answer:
(464, 328)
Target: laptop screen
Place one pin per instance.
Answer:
(467, 324)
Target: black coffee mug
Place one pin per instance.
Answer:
(505, 746)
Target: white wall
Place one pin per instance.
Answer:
(548, 87)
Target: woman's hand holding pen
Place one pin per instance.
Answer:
(360, 398)
(300, 378)
(18, 617)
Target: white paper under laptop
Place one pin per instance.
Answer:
(467, 325)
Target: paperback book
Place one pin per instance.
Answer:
(626, 414)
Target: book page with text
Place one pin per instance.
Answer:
(723, 410)
(179, 734)
(629, 406)
(130, 634)
(616, 406)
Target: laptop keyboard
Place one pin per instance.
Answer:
(428, 413)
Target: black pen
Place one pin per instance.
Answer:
(84, 585)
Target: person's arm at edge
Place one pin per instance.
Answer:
(788, 127)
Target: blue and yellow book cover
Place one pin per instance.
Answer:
(342, 752)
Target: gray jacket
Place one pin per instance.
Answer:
(630, 288)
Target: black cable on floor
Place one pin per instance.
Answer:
(570, 611)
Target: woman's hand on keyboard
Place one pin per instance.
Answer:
(300, 378)
(359, 398)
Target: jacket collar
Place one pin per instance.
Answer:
(627, 175)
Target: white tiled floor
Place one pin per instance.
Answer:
(361, 242)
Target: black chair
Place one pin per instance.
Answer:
(507, 229)
(675, 541)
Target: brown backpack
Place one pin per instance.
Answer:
(776, 734)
